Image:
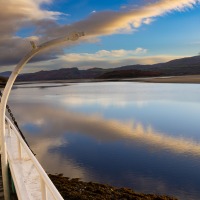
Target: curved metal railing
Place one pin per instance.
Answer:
(21, 160)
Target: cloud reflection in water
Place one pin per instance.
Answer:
(54, 122)
(116, 145)
(57, 155)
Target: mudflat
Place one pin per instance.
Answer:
(171, 79)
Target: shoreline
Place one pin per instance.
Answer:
(186, 79)
(75, 189)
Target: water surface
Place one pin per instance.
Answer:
(140, 135)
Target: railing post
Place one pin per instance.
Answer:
(43, 189)
(4, 160)
(19, 149)
(9, 130)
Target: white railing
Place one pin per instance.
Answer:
(34, 51)
(23, 154)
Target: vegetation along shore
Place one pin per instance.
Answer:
(75, 189)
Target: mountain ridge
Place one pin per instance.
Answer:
(177, 67)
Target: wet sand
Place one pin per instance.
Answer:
(170, 79)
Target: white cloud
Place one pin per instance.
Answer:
(26, 10)
(112, 22)
(103, 55)
(85, 62)
(17, 14)
(148, 20)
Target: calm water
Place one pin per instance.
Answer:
(140, 135)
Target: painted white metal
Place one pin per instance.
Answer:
(43, 189)
(36, 49)
(9, 130)
(30, 179)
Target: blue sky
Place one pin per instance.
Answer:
(117, 32)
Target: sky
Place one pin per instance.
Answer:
(117, 32)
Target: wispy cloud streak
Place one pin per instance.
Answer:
(18, 14)
(111, 22)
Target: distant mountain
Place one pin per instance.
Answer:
(3, 80)
(128, 74)
(5, 74)
(188, 65)
(62, 74)
(183, 66)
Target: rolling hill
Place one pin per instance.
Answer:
(183, 66)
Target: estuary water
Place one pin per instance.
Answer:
(144, 136)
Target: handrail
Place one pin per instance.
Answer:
(34, 51)
(45, 180)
